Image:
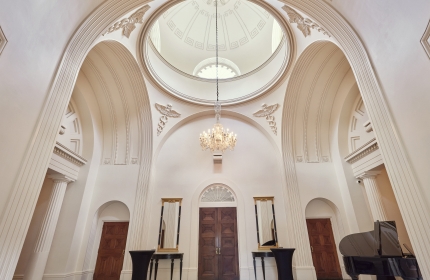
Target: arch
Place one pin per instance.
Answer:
(314, 84)
(18, 213)
(320, 208)
(405, 186)
(241, 220)
(108, 212)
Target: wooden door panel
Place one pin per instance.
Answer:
(218, 228)
(229, 260)
(324, 253)
(110, 256)
(208, 264)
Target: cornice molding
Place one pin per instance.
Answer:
(157, 82)
(362, 151)
(68, 154)
(425, 40)
(3, 40)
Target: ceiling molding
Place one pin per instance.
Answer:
(3, 40)
(157, 81)
(425, 40)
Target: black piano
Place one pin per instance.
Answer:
(378, 252)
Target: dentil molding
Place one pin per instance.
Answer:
(425, 40)
(303, 24)
(129, 24)
(166, 112)
(267, 112)
(3, 40)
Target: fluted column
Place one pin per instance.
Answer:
(39, 257)
(373, 195)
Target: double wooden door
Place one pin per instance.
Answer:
(218, 252)
(323, 247)
(111, 251)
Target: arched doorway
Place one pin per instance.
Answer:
(218, 235)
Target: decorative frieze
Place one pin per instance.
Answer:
(129, 24)
(166, 112)
(3, 40)
(267, 112)
(303, 24)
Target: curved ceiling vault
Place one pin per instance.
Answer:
(314, 83)
(117, 84)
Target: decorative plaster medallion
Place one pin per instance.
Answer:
(166, 112)
(303, 24)
(299, 158)
(425, 40)
(3, 40)
(267, 112)
(217, 194)
(128, 24)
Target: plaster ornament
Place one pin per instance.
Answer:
(425, 40)
(3, 40)
(267, 112)
(303, 24)
(128, 24)
(166, 112)
(62, 130)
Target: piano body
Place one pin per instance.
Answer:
(378, 252)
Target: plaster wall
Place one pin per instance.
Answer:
(391, 33)
(37, 35)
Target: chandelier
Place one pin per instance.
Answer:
(217, 139)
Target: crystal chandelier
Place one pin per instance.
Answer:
(217, 139)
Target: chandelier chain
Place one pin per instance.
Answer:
(216, 48)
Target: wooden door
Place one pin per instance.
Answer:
(218, 229)
(111, 251)
(323, 247)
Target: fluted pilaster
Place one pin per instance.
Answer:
(373, 195)
(39, 257)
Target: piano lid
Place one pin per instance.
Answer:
(382, 241)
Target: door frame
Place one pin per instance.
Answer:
(335, 228)
(193, 254)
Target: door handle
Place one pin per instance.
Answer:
(123, 252)
(312, 249)
(218, 251)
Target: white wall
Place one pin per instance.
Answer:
(183, 170)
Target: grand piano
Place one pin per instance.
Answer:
(378, 252)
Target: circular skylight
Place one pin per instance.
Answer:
(184, 36)
(207, 69)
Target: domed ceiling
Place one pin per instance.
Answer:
(184, 37)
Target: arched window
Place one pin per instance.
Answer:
(207, 69)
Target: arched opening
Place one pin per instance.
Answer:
(113, 214)
(325, 225)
